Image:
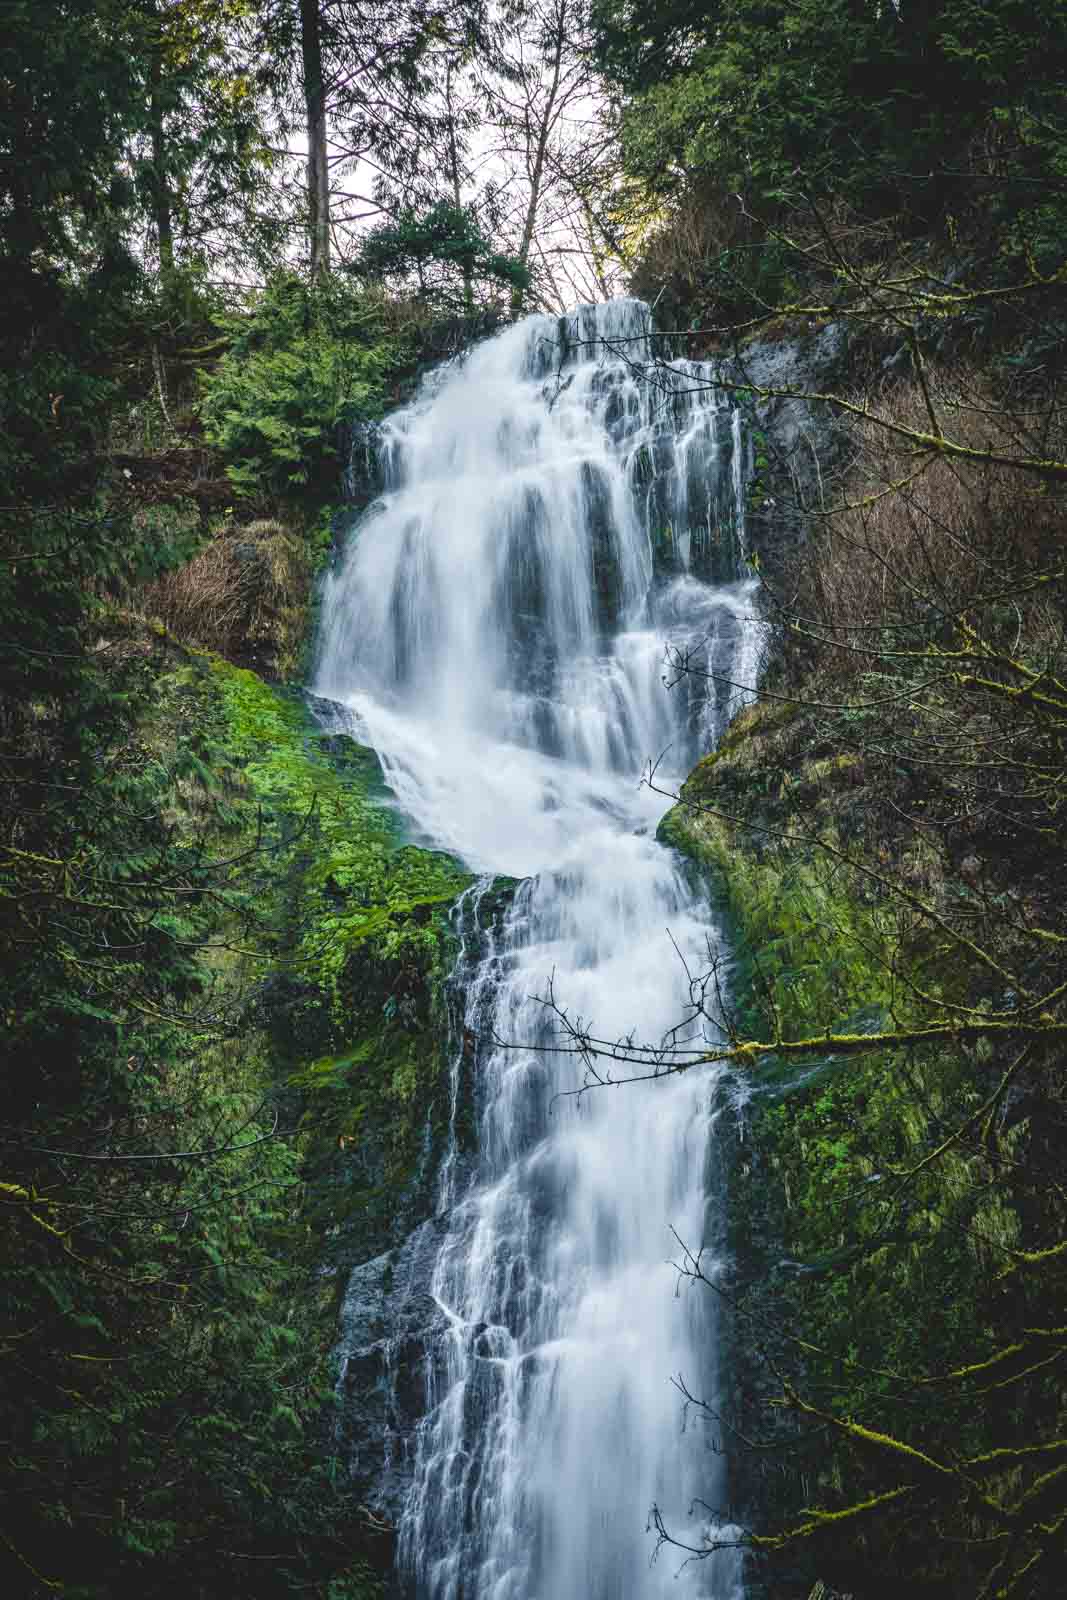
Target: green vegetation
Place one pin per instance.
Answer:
(305, 363)
(173, 1185)
(881, 1218)
(354, 948)
(446, 251)
(746, 126)
(883, 827)
(730, 89)
(222, 959)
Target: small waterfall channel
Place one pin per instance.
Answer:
(496, 632)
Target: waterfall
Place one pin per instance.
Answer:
(551, 518)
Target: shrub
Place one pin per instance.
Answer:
(705, 259)
(304, 361)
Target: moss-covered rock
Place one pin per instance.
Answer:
(842, 1275)
(356, 944)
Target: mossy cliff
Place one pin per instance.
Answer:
(347, 987)
(880, 1200)
(224, 1010)
(329, 983)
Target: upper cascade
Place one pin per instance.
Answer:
(550, 500)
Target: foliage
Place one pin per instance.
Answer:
(167, 1332)
(442, 250)
(305, 362)
(69, 103)
(358, 851)
(639, 43)
(222, 958)
(351, 999)
(129, 118)
(166, 1419)
(947, 116)
(852, 95)
(900, 1184)
(203, 165)
(164, 1344)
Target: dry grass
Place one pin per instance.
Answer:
(680, 250)
(244, 595)
(923, 537)
(926, 624)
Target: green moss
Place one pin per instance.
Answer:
(874, 1276)
(357, 942)
(810, 950)
(366, 885)
(260, 718)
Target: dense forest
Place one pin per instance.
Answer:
(233, 235)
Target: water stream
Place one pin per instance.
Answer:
(550, 519)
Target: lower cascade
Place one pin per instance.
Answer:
(557, 507)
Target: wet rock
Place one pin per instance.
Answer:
(389, 1321)
(800, 444)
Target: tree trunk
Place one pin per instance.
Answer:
(161, 205)
(318, 167)
(536, 168)
(457, 191)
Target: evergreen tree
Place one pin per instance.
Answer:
(162, 1361)
(879, 104)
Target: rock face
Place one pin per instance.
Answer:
(358, 447)
(388, 1318)
(807, 365)
(799, 445)
(389, 1321)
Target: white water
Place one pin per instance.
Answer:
(497, 633)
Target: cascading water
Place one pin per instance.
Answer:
(496, 633)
